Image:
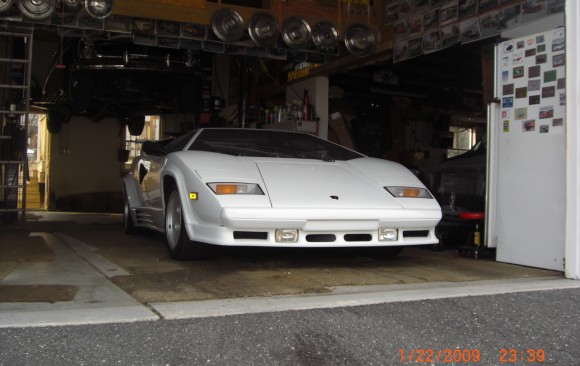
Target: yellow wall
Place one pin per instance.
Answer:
(84, 172)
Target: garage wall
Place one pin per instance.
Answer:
(84, 172)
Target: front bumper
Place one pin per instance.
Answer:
(318, 227)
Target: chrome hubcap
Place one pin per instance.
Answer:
(173, 220)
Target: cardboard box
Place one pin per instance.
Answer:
(338, 125)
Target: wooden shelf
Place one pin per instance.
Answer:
(310, 127)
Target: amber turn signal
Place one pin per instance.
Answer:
(226, 189)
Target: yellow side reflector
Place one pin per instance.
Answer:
(193, 196)
(226, 189)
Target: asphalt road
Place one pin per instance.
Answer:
(486, 329)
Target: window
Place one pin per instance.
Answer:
(463, 140)
(33, 137)
(150, 132)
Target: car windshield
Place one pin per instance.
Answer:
(268, 143)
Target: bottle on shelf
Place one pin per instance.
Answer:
(306, 106)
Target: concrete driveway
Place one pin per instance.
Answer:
(67, 263)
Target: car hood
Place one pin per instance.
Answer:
(322, 185)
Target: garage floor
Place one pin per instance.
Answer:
(63, 260)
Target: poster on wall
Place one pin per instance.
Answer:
(422, 26)
(532, 10)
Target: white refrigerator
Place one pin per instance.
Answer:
(526, 183)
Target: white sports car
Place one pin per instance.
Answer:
(249, 187)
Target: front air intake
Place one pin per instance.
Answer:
(320, 238)
(358, 237)
(255, 235)
(415, 233)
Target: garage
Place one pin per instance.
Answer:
(474, 97)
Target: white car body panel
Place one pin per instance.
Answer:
(312, 184)
(343, 199)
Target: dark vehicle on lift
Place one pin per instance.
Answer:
(458, 184)
(100, 79)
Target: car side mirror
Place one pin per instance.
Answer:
(153, 148)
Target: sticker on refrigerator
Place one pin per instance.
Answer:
(508, 47)
(534, 85)
(558, 40)
(521, 93)
(507, 102)
(546, 112)
(548, 92)
(505, 76)
(508, 89)
(534, 99)
(549, 76)
(529, 125)
(558, 60)
(534, 71)
(521, 113)
(541, 59)
(506, 126)
(541, 48)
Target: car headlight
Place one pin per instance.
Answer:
(235, 188)
(409, 192)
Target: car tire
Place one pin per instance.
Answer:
(178, 243)
(128, 223)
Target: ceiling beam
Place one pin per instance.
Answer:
(201, 11)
